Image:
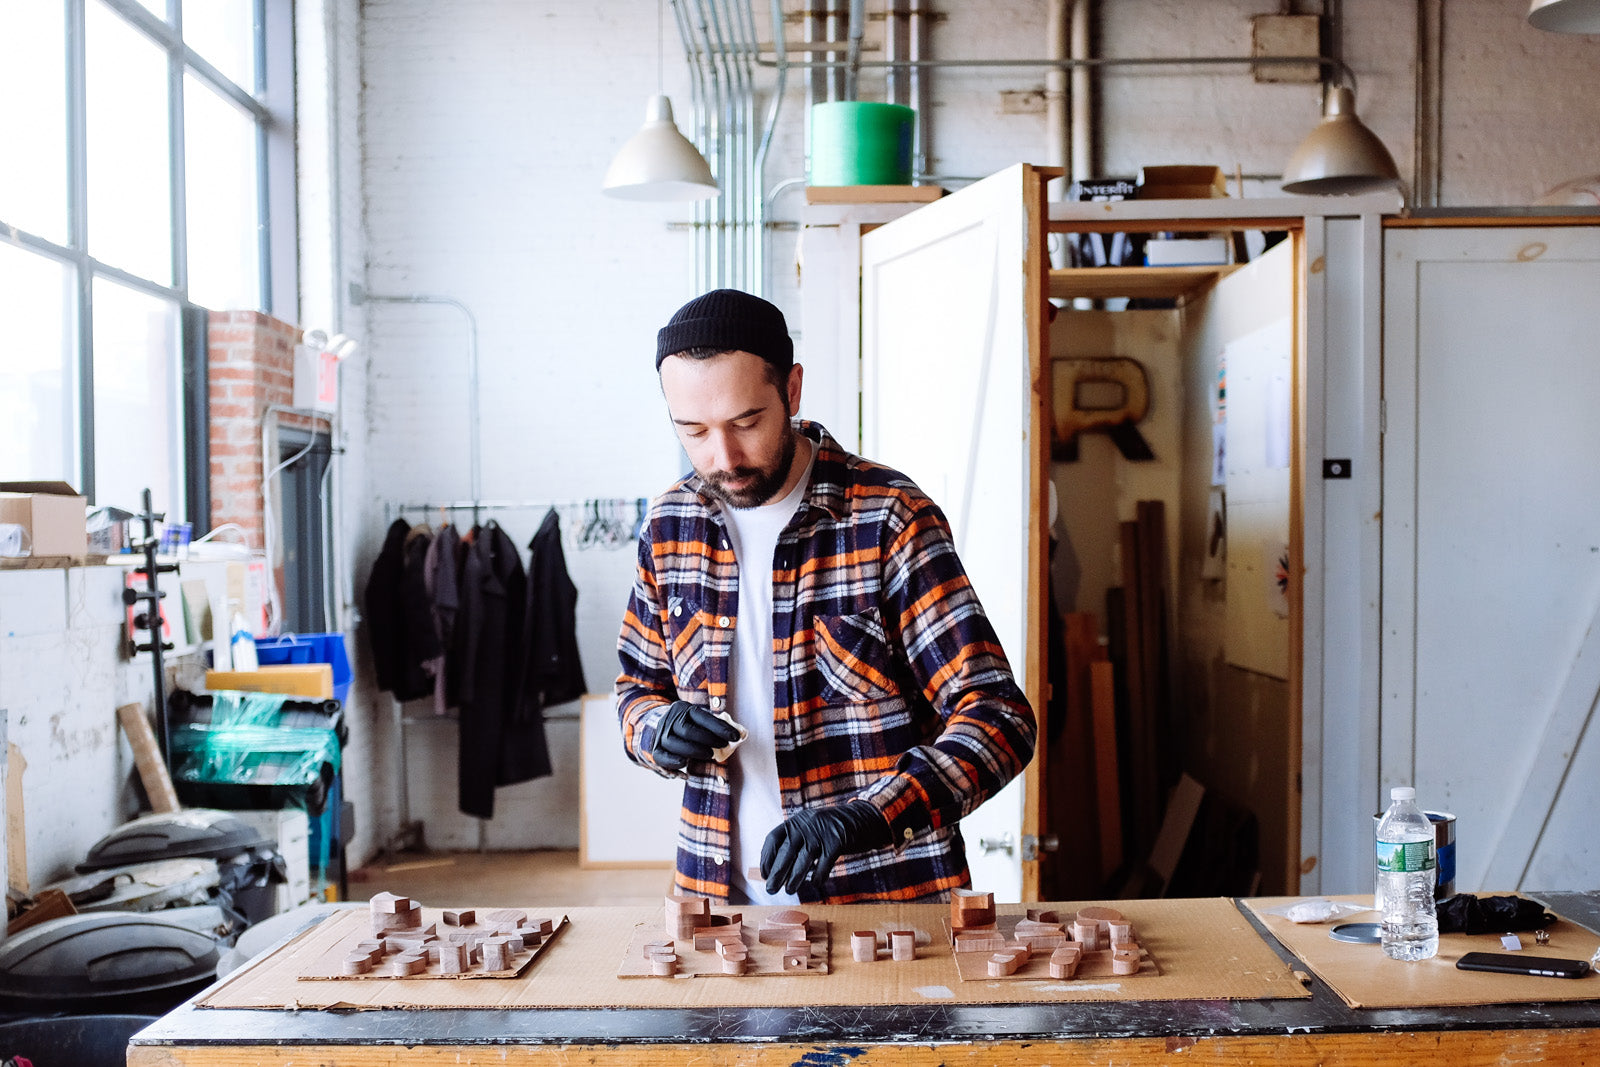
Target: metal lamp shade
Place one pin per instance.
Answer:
(1565, 16)
(658, 162)
(1340, 155)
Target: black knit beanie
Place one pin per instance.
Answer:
(729, 321)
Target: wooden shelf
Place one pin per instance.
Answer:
(1148, 283)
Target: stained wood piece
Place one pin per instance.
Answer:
(864, 946)
(902, 945)
(465, 917)
(452, 957)
(512, 917)
(1125, 959)
(969, 908)
(664, 964)
(407, 963)
(979, 941)
(357, 963)
(1064, 961)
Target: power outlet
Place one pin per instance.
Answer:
(1286, 37)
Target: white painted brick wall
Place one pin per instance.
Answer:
(487, 125)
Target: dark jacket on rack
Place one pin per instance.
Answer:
(554, 671)
(441, 570)
(399, 622)
(495, 749)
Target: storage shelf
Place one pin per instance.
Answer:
(1145, 283)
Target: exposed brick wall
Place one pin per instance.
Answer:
(250, 362)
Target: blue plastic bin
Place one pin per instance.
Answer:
(309, 648)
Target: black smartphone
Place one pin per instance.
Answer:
(1513, 963)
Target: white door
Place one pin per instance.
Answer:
(946, 370)
(1491, 544)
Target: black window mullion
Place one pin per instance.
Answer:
(175, 157)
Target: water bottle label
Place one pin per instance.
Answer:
(1405, 857)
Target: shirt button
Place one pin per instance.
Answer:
(719, 861)
(716, 703)
(909, 833)
(677, 610)
(722, 621)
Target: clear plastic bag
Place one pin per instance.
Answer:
(1315, 910)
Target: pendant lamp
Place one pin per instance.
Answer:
(658, 162)
(1565, 16)
(1341, 155)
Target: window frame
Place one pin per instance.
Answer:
(269, 103)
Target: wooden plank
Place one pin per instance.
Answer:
(873, 194)
(147, 758)
(1569, 1047)
(1108, 790)
(1155, 629)
(16, 823)
(1073, 800)
(1158, 283)
(1139, 813)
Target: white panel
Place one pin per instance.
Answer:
(945, 388)
(1492, 543)
(32, 602)
(630, 814)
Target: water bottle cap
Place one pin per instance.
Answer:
(1402, 792)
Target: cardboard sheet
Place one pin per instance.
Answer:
(1096, 963)
(1365, 978)
(1207, 949)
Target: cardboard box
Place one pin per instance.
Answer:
(313, 680)
(1181, 182)
(1185, 251)
(52, 513)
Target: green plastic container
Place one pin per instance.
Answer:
(855, 142)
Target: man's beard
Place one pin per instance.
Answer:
(762, 489)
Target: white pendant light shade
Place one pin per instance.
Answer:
(1341, 155)
(1565, 16)
(658, 162)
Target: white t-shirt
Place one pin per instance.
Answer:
(753, 768)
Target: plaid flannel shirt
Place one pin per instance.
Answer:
(890, 684)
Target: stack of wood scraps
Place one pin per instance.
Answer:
(695, 942)
(1092, 942)
(403, 942)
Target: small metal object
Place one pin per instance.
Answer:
(1358, 933)
(1542, 937)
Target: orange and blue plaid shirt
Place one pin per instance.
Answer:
(890, 685)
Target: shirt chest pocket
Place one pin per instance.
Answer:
(687, 642)
(853, 659)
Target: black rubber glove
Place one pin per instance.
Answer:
(804, 847)
(688, 732)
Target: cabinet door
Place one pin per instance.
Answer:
(1491, 544)
(951, 344)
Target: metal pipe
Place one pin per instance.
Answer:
(763, 199)
(1345, 75)
(894, 43)
(915, 40)
(852, 73)
(1057, 123)
(1080, 47)
(1427, 119)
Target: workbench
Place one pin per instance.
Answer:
(1317, 1030)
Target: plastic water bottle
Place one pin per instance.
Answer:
(1407, 870)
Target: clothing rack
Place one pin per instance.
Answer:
(594, 522)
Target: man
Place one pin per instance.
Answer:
(814, 598)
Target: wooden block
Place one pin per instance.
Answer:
(902, 945)
(731, 965)
(1098, 915)
(494, 954)
(1043, 915)
(796, 961)
(1125, 959)
(511, 917)
(147, 758)
(465, 917)
(980, 941)
(664, 964)
(969, 908)
(864, 946)
(545, 926)
(1087, 934)
(357, 963)
(712, 940)
(1119, 931)
(1006, 962)
(453, 957)
(652, 948)
(1064, 961)
(407, 963)
(390, 904)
